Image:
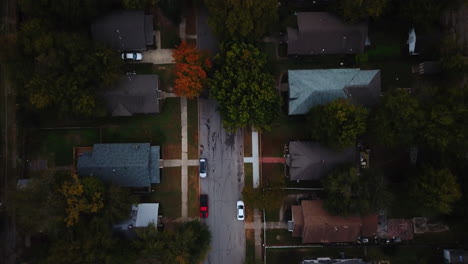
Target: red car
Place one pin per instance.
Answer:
(203, 205)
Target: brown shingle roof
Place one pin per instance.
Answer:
(298, 220)
(321, 227)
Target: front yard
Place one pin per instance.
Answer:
(193, 192)
(168, 193)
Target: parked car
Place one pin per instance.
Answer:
(132, 56)
(202, 168)
(203, 205)
(240, 210)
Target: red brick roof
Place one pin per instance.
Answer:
(321, 227)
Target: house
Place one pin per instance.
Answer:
(427, 67)
(313, 161)
(141, 215)
(134, 165)
(124, 30)
(333, 261)
(308, 88)
(315, 225)
(324, 33)
(133, 94)
(455, 256)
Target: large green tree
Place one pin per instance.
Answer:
(338, 123)
(243, 89)
(355, 10)
(63, 71)
(435, 190)
(398, 119)
(231, 19)
(188, 244)
(350, 191)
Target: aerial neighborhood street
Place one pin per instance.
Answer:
(234, 132)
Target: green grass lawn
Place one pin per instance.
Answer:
(193, 191)
(57, 145)
(248, 174)
(249, 246)
(192, 128)
(281, 237)
(169, 37)
(168, 193)
(283, 130)
(247, 132)
(161, 129)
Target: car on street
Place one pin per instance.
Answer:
(132, 56)
(202, 168)
(203, 205)
(240, 210)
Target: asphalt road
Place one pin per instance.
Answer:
(223, 185)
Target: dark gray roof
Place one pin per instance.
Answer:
(333, 261)
(124, 30)
(312, 161)
(130, 165)
(308, 88)
(324, 33)
(133, 94)
(206, 39)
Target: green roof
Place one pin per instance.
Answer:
(133, 165)
(308, 88)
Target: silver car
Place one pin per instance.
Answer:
(132, 56)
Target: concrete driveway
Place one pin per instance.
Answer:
(223, 185)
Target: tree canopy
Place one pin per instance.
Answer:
(350, 191)
(190, 70)
(188, 244)
(244, 91)
(435, 190)
(234, 19)
(355, 10)
(63, 71)
(338, 123)
(398, 119)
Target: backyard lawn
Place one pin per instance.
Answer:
(193, 192)
(168, 193)
(192, 128)
(56, 146)
(161, 129)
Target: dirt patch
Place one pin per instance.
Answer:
(249, 234)
(171, 151)
(192, 128)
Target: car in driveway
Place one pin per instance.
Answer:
(202, 168)
(204, 205)
(132, 56)
(240, 210)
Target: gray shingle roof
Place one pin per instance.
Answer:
(133, 94)
(130, 165)
(308, 88)
(324, 33)
(305, 160)
(124, 30)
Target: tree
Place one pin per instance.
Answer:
(244, 91)
(350, 191)
(139, 4)
(398, 119)
(188, 244)
(435, 190)
(232, 19)
(338, 123)
(355, 10)
(452, 59)
(190, 70)
(62, 70)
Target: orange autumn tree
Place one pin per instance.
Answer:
(190, 70)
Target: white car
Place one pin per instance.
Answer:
(132, 56)
(240, 210)
(202, 167)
